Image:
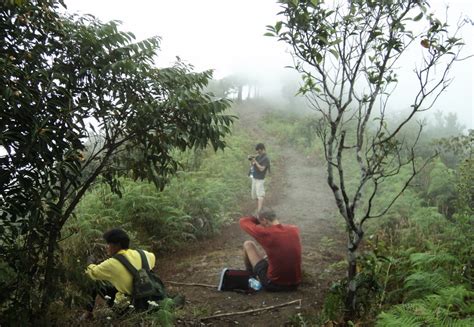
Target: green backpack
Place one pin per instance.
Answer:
(147, 286)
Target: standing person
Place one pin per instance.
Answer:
(116, 280)
(259, 166)
(280, 268)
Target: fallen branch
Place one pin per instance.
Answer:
(253, 310)
(191, 284)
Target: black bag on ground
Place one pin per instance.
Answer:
(147, 286)
(235, 280)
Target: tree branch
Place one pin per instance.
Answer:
(271, 307)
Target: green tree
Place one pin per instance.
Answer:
(441, 188)
(236, 83)
(81, 102)
(223, 87)
(347, 54)
(461, 147)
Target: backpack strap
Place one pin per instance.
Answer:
(144, 261)
(121, 258)
(124, 261)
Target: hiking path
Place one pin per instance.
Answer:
(298, 192)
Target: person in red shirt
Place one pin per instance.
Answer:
(280, 268)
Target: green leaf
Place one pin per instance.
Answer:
(418, 17)
(334, 53)
(319, 57)
(278, 26)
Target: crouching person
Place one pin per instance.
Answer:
(279, 269)
(114, 277)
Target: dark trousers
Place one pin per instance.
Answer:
(103, 289)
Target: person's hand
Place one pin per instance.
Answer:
(91, 259)
(256, 218)
(263, 222)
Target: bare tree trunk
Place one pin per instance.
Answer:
(350, 300)
(48, 290)
(29, 265)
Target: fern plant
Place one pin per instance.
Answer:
(453, 306)
(198, 201)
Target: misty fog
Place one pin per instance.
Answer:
(227, 36)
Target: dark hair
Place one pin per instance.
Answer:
(260, 146)
(267, 213)
(117, 236)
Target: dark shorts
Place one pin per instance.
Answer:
(261, 269)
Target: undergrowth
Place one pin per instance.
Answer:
(201, 198)
(416, 266)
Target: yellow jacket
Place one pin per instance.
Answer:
(113, 271)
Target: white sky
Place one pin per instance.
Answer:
(227, 36)
(224, 35)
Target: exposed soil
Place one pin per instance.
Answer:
(298, 192)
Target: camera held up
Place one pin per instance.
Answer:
(251, 157)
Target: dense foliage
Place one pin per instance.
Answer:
(91, 132)
(81, 102)
(348, 54)
(198, 201)
(416, 267)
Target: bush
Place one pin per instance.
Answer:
(417, 266)
(198, 201)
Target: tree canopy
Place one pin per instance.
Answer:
(348, 54)
(82, 102)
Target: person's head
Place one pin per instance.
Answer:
(260, 148)
(116, 240)
(267, 216)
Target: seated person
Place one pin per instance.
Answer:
(280, 269)
(116, 280)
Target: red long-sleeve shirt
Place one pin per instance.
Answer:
(282, 245)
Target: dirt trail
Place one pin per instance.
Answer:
(298, 192)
